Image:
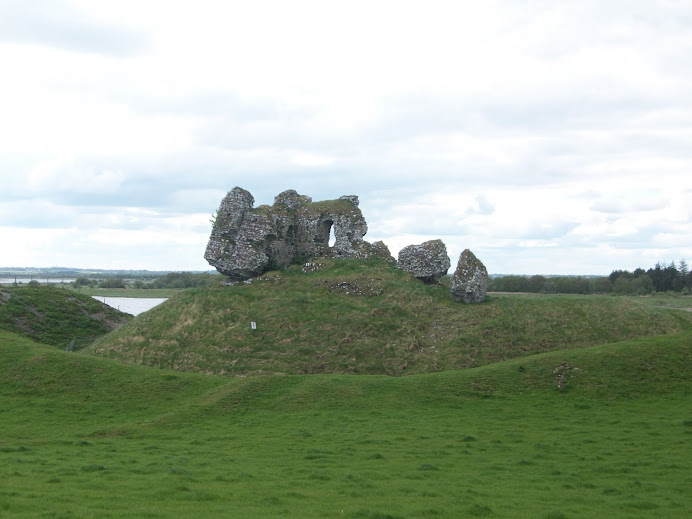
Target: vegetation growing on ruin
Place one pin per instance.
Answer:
(335, 206)
(367, 317)
(331, 206)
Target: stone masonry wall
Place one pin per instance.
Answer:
(247, 241)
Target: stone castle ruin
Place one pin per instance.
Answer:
(246, 241)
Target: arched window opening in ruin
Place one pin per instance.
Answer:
(328, 232)
(291, 235)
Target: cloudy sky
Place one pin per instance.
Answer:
(548, 136)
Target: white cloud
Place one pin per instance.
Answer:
(311, 159)
(63, 174)
(57, 24)
(543, 136)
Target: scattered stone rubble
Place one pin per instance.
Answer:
(563, 373)
(373, 287)
(312, 266)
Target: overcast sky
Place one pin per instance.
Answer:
(546, 136)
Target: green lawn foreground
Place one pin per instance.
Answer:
(88, 437)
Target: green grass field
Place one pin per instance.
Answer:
(525, 406)
(598, 431)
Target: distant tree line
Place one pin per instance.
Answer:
(184, 280)
(170, 280)
(550, 284)
(661, 278)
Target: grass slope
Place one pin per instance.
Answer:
(82, 436)
(56, 316)
(367, 317)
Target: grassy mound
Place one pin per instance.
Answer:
(626, 369)
(55, 316)
(366, 317)
(591, 432)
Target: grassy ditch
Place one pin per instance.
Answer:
(592, 432)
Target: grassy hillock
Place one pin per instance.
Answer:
(592, 432)
(55, 316)
(367, 317)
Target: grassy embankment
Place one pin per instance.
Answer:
(56, 316)
(367, 317)
(83, 436)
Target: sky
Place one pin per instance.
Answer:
(547, 136)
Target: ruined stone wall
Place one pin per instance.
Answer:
(245, 242)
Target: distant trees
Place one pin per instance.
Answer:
(112, 283)
(600, 286)
(170, 280)
(627, 283)
(668, 278)
(83, 281)
(660, 278)
(550, 285)
(184, 280)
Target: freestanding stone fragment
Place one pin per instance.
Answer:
(378, 249)
(470, 280)
(247, 241)
(427, 261)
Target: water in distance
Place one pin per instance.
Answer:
(22, 281)
(131, 305)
